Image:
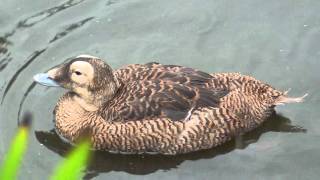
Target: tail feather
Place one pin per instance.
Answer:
(285, 99)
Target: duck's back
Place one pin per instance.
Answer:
(166, 91)
(250, 100)
(169, 73)
(156, 90)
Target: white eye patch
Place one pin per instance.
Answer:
(84, 68)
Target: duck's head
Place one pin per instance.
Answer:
(89, 77)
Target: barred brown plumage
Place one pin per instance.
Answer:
(155, 108)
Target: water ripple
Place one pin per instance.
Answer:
(4, 50)
(5, 61)
(3, 45)
(111, 2)
(25, 65)
(71, 28)
(25, 95)
(38, 17)
(28, 22)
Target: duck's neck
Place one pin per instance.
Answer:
(88, 106)
(92, 100)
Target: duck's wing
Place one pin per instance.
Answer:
(155, 71)
(160, 98)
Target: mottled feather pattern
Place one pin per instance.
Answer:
(206, 128)
(249, 99)
(170, 109)
(155, 90)
(158, 98)
(156, 71)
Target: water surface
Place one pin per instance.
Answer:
(275, 41)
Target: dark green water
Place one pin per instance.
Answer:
(275, 41)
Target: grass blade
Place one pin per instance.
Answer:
(71, 168)
(12, 161)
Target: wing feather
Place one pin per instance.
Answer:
(155, 90)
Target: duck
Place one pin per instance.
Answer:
(155, 108)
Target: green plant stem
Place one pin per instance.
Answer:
(12, 161)
(71, 168)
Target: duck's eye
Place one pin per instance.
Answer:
(78, 73)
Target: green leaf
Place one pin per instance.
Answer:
(12, 161)
(71, 168)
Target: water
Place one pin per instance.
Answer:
(275, 41)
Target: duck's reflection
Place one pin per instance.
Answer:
(145, 164)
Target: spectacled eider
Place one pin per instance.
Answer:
(157, 108)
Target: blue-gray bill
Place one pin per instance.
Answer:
(43, 79)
